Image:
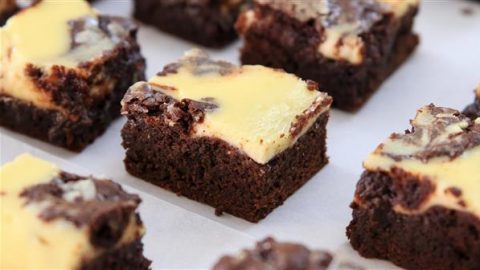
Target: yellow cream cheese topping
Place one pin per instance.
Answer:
(443, 148)
(27, 241)
(42, 31)
(255, 106)
(41, 35)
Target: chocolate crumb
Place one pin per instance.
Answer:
(462, 203)
(454, 191)
(218, 212)
(312, 85)
(169, 69)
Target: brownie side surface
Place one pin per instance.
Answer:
(207, 169)
(204, 22)
(439, 238)
(284, 42)
(126, 257)
(84, 116)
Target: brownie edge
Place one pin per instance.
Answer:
(83, 117)
(281, 41)
(160, 149)
(208, 23)
(438, 239)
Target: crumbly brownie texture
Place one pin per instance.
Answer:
(82, 100)
(473, 110)
(97, 218)
(163, 145)
(438, 239)
(210, 170)
(206, 22)
(7, 9)
(270, 254)
(350, 69)
(417, 202)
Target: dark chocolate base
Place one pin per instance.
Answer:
(84, 117)
(204, 24)
(473, 110)
(123, 258)
(54, 127)
(211, 171)
(283, 42)
(438, 239)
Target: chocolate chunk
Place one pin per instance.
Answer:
(270, 254)
(435, 132)
(101, 205)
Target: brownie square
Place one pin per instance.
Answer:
(417, 203)
(348, 47)
(52, 219)
(209, 23)
(473, 110)
(169, 140)
(66, 89)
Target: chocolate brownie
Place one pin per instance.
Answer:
(7, 9)
(241, 139)
(63, 84)
(417, 203)
(473, 110)
(52, 219)
(348, 47)
(206, 22)
(270, 254)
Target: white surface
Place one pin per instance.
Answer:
(184, 234)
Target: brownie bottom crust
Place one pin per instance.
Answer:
(211, 171)
(199, 23)
(349, 85)
(55, 127)
(438, 239)
(126, 257)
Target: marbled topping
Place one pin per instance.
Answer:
(199, 63)
(331, 13)
(435, 132)
(55, 220)
(340, 22)
(270, 254)
(78, 199)
(443, 149)
(72, 39)
(259, 110)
